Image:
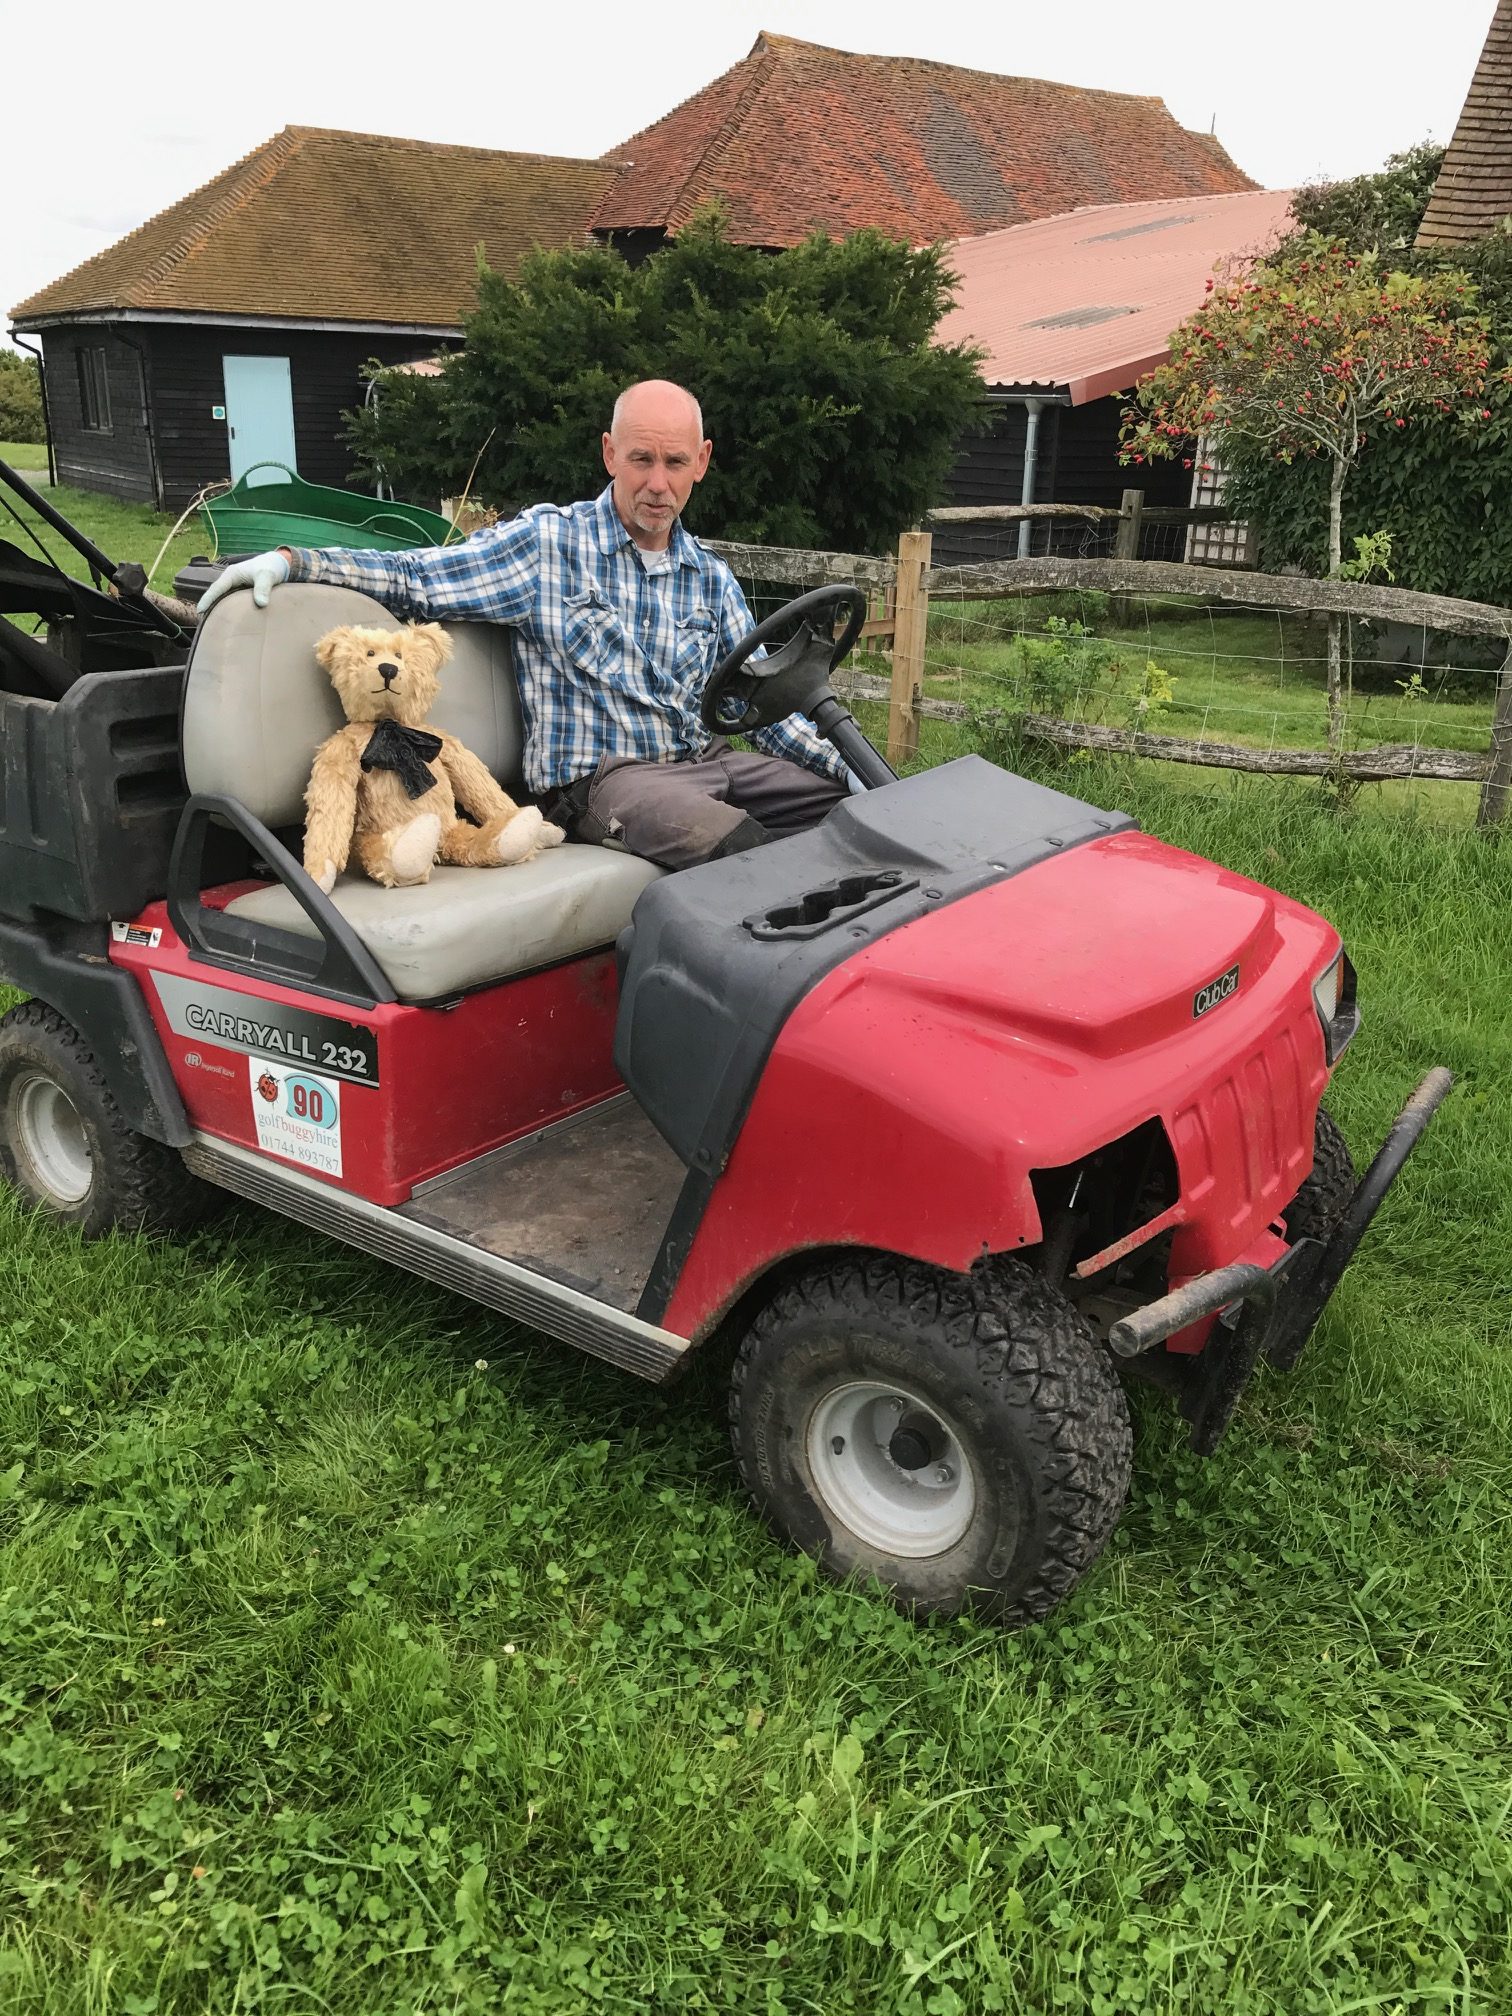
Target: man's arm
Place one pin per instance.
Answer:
(491, 577)
(795, 738)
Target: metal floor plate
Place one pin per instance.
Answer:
(585, 1203)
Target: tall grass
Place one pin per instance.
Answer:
(359, 1654)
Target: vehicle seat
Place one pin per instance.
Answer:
(256, 707)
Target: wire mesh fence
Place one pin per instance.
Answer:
(1220, 680)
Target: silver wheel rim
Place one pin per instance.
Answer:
(51, 1135)
(862, 1441)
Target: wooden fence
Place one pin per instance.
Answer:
(903, 587)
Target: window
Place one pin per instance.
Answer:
(1228, 543)
(94, 390)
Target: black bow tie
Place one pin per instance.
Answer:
(408, 752)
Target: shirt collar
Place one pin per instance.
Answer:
(612, 534)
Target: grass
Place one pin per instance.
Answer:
(24, 454)
(1252, 678)
(360, 1654)
(122, 531)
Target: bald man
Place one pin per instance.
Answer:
(619, 617)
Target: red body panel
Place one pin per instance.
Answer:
(453, 1082)
(1023, 1028)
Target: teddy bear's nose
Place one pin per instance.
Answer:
(388, 674)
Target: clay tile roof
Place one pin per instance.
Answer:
(330, 226)
(798, 138)
(1474, 189)
(1087, 301)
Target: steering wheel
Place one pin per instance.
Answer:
(741, 695)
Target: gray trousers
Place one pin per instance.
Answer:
(678, 814)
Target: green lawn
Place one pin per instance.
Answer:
(122, 531)
(24, 454)
(1250, 678)
(362, 1655)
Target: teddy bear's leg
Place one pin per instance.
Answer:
(502, 842)
(404, 857)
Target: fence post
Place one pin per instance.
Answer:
(910, 625)
(1498, 785)
(1131, 511)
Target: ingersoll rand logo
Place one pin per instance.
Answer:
(1214, 992)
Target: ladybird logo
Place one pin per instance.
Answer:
(267, 1087)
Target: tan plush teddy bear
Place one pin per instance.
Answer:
(389, 789)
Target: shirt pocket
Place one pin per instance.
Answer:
(696, 638)
(592, 635)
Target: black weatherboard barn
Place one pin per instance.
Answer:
(232, 328)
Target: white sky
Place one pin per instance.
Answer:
(112, 113)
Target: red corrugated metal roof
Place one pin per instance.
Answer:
(1086, 300)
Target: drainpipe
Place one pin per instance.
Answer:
(36, 351)
(1031, 456)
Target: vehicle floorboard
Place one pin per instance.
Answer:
(585, 1202)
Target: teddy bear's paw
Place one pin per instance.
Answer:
(412, 851)
(522, 837)
(550, 836)
(325, 881)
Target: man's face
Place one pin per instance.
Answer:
(654, 458)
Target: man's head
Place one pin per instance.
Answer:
(655, 452)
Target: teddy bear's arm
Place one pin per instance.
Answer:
(331, 806)
(472, 785)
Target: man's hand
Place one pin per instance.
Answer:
(261, 574)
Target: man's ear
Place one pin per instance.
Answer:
(609, 453)
(703, 461)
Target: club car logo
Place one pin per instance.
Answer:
(1214, 992)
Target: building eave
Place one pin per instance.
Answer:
(204, 319)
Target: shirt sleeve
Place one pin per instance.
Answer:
(489, 578)
(796, 739)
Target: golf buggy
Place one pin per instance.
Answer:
(938, 1115)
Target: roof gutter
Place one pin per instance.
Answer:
(1035, 403)
(197, 318)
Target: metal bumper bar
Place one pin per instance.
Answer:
(1271, 1311)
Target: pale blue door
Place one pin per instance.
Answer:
(259, 415)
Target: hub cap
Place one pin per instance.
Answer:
(51, 1135)
(891, 1467)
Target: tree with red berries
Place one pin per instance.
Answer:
(1312, 353)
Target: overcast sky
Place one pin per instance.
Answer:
(112, 113)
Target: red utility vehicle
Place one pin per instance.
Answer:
(941, 1113)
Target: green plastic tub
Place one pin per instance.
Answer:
(252, 517)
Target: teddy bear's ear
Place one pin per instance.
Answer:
(326, 649)
(434, 641)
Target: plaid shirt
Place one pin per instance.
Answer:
(611, 660)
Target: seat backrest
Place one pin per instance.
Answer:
(257, 706)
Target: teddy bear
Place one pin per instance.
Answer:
(388, 788)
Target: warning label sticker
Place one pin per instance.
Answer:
(298, 1115)
(136, 934)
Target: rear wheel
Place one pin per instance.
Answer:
(1315, 1211)
(63, 1143)
(962, 1439)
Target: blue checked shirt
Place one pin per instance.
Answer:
(611, 660)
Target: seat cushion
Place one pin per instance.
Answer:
(467, 926)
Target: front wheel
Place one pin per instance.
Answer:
(64, 1145)
(962, 1439)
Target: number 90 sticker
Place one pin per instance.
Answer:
(298, 1115)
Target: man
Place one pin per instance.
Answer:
(619, 617)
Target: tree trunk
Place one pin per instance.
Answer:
(1336, 721)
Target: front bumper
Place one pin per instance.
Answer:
(1270, 1312)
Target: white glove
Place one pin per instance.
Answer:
(261, 574)
(853, 783)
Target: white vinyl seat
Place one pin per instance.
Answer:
(257, 706)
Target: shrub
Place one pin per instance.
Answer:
(20, 398)
(835, 417)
